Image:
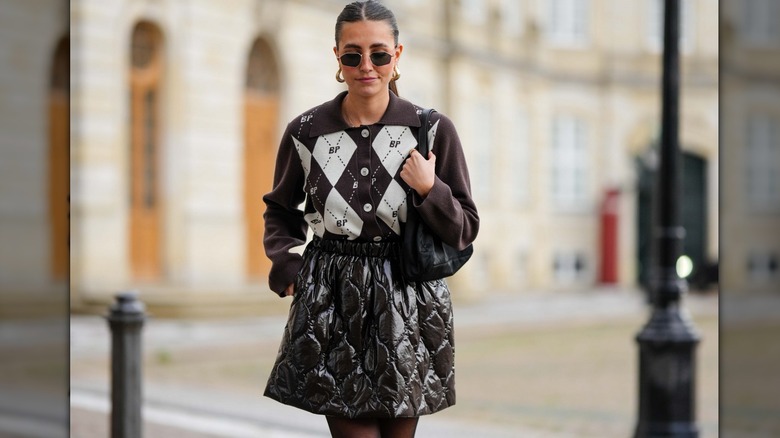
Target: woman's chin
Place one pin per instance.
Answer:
(367, 90)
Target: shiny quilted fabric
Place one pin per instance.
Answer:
(360, 341)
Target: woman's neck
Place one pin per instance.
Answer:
(358, 110)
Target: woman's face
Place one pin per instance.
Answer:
(367, 37)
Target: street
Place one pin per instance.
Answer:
(534, 365)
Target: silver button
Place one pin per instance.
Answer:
(364, 171)
(377, 238)
(364, 133)
(367, 207)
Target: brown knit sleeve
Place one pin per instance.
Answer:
(285, 227)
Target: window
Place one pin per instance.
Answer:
(655, 25)
(569, 267)
(149, 184)
(512, 16)
(762, 267)
(482, 144)
(763, 162)
(568, 22)
(474, 11)
(519, 273)
(518, 159)
(760, 25)
(569, 163)
(262, 72)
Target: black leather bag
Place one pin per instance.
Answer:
(424, 257)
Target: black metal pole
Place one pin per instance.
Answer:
(667, 363)
(126, 317)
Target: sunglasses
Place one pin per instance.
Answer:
(377, 58)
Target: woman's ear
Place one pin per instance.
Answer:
(398, 51)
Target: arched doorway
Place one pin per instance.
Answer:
(146, 72)
(261, 115)
(692, 208)
(59, 161)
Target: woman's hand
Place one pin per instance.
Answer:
(290, 290)
(419, 173)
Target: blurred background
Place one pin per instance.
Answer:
(177, 107)
(139, 137)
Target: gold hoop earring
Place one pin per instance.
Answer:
(396, 73)
(338, 76)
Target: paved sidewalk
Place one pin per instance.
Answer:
(89, 335)
(200, 412)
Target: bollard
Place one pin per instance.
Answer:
(126, 318)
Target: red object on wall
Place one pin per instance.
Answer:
(609, 237)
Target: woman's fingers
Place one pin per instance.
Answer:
(418, 172)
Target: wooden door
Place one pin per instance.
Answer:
(145, 202)
(59, 163)
(261, 114)
(59, 182)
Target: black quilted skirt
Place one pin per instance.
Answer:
(360, 341)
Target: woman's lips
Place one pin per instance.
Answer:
(366, 80)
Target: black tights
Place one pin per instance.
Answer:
(372, 427)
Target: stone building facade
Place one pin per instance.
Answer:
(750, 134)
(176, 107)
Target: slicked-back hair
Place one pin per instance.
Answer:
(370, 10)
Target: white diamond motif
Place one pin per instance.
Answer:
(394, 197)
(340, 218)
(332, 152)
(392, 145)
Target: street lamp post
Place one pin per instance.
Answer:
(667, 343)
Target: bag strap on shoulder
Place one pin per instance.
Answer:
(422, 141)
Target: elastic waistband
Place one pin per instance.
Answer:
(353, 248)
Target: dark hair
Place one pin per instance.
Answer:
(370, 10)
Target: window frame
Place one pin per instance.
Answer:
(512, 17)
(762, 172)
(569, 163)
(482, 132)
(568, 23)
(474, 11)
(519, 159)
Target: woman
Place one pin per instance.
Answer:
(363, 346)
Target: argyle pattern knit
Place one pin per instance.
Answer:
(347, 181)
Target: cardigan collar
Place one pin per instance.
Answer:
(399, 112)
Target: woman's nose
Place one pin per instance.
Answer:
(365, 63)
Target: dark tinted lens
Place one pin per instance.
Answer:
(381, 58)
(351, 59)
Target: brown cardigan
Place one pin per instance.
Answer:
(348, 181)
